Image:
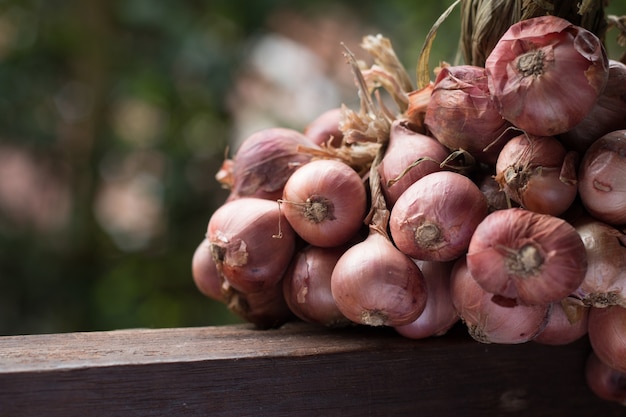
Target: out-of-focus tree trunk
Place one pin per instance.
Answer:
(81, 141)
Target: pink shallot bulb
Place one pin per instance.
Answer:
(545, 74)
(607, 383)
(439, 314)
(204, 272)
(567, 323)
(538, 173)
(325, 129)
(410, 155)
(266, 309)
(325, 202)
(462, 115)
(375, 284)
(602, 178)
(435, 217)
(251, 243)
(306, 286)
(264, 162)
(607, 334)
(608, 114)
(523, 257)
(488, 321)
(605, 281)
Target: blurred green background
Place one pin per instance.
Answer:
(115, 117)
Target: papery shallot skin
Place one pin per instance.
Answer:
(406, 146)
(607, 115)
(439, 314)
(375, 284)
(462, 115)
(496, 197)
(263, 163)
(325, 129)
(306, 286)
(605, 280)
(435, 217)
(602, 178)
(488, 321)
(527, 257)
(545, 74)
(606, 382)
(538, 173)
(325, 202)
(204, 272)
(251, 242)
(607, 334)
(567, 323)
(265, 309)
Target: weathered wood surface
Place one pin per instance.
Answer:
(298, 370)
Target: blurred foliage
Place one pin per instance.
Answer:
(114, 118)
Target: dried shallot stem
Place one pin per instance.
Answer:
(388, 71)
(370, 124)
(378, 218)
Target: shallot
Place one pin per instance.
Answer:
(375, 284)
(204, 271)
(607, 334)
(525, 257)
(608, 114)
(325, 202)
(545, 74)
(439, 315)
(306, 286)
(462, 115)
(605, 280)
(266, 309)
(264, 162)
(538, 173)
(410, 155)
(567, 323)
(490, 322)
(251, 243)
(435, 217)
(607, 383)
(602, 178)
(325, 130)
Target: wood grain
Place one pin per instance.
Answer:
(297, 370)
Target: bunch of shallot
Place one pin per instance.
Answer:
(487, 198)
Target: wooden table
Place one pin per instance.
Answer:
(297, 370)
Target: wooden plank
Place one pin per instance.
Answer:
(298, 370)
